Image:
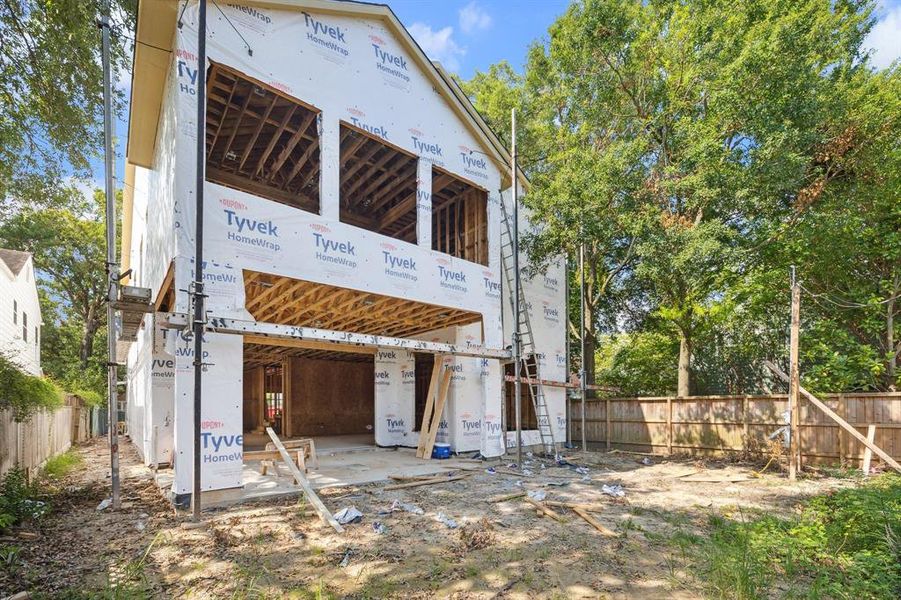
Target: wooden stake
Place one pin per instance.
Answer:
(844, 424)
(545, 510)
(301, 480)
(794, 383)
(409, 484)
(505, 498)
(594, 522)
(867, 453)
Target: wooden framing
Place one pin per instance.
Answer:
(378, 185)
(301, 480)
(459, 217)
(434, 407)
(277, 299)
(261, 140)
(834, 416)
(165, 298)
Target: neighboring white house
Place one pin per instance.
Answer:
(20, 311)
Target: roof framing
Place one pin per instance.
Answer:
(155, 36)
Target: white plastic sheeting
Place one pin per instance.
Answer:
(352, 70)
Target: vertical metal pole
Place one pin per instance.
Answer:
(583, 388)
(569, 423)
(112, 267)
(198, 251)
(517, 348)
(794, 396)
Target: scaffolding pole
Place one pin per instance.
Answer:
(517, 347)
(112, 267)
(583, 383)
(197, 286)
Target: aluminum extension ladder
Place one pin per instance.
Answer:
(529, 356)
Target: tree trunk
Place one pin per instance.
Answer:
(683, 387)
(87, 338)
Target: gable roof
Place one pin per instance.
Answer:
(156, 33)
(14, 259)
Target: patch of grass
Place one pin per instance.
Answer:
(846, 544)
(61, 464)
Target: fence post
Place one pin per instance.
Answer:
(607, 417)
(842, 436)
(746, 429)
(669, 426)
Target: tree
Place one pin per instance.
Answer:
(69, 248)
(687, 130)
(50, 92)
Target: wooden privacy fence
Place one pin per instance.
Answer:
(728, 424)
(44, 435)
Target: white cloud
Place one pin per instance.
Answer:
(473, 18)
(885, 38)
(438, 45)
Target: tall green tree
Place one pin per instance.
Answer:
(689, 133)
(51, 105)
(69, 248)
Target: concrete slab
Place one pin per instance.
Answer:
(335, 470)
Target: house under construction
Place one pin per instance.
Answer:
(354, 229)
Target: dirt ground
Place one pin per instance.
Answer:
(500, 549)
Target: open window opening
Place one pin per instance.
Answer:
(260, 140)
(378, 185)
(459, 218)
(528, 416)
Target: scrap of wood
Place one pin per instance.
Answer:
(720, 479)
(409, 484)
(413, 477)
(594, 522)
(301, 480)
(618, 451)
(834, 416)
(545, 510)
(505, 497)
(510, 472)
(574, 506)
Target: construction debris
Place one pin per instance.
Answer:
(348, 515)
(419, 482)
(616, 491)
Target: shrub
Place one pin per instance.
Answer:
(25, 393)
(16, 499)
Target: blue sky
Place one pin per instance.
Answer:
(469, 35)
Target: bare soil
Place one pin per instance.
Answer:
(504, 549)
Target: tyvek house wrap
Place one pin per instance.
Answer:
(352, 70)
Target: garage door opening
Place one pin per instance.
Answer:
(306, 393)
